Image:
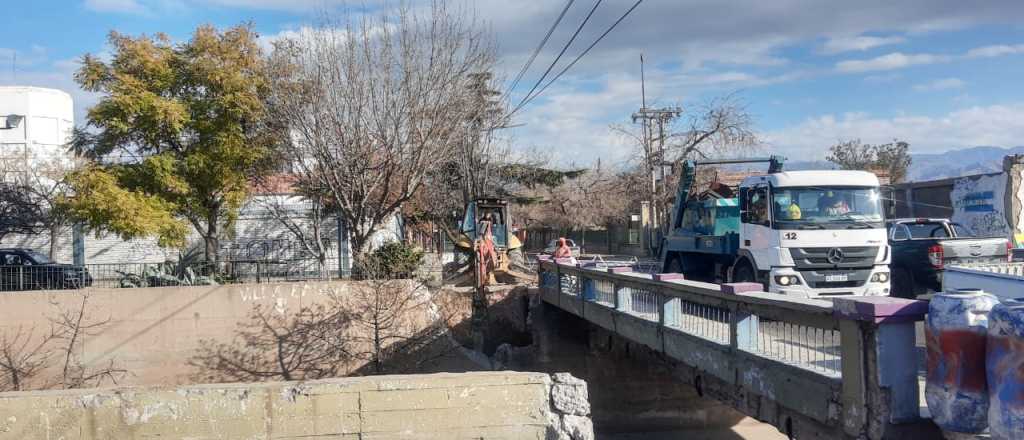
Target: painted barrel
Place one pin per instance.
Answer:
(955, 331)
(1004, 365)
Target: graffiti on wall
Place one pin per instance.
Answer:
(978, 204)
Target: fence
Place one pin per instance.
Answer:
(824, 361)
(129, 275)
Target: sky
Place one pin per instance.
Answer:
(939, 74)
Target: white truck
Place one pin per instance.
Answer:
(803, 233)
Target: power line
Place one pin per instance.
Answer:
(536, 51)
(560, 54)
(573, 63)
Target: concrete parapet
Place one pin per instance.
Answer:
(439, 406)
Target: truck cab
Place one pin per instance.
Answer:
(814, 233)
(801, 233)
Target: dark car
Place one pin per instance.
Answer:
(26, 269)
(923, 247)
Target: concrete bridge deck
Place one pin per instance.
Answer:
(845, 368)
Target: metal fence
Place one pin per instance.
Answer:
(133, 275)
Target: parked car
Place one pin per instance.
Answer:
(554, 245)
(922, 248)
(26, 269)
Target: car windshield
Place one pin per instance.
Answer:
(38, 257)
(827, 207)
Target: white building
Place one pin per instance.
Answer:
(35, 126)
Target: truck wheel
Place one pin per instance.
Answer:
(744, 273)
(674, 265)
(903, 284)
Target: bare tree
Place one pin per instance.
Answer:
(30, 196)
(69, 329)
(374, 104)
(24, 357)
(397, 322)
(311, 343)
(303, 219)
(717, 127)
(20, 211)
(388, 325)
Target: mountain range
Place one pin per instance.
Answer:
(934, 166)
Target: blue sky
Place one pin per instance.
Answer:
(940, 74)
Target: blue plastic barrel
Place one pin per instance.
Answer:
(1004, 365)
(956, 390)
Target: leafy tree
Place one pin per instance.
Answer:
(892, 158)
(177, 136)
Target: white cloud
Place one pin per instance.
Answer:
(899, 60)
(895, 60)
(999, 125)
(995, 51)
(858, 43)
(940, 84)
(124, 6)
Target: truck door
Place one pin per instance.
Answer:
(756, 233)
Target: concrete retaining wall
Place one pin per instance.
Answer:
(153, 332)
(441, 406)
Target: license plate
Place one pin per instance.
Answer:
(836, 278)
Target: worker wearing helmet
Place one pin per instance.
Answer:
(793, 211)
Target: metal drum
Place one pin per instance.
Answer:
(956, 390)
(1004, 365)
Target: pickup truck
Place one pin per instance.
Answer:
(923, 247)
(26, 269)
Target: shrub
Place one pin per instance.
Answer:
(391, 261)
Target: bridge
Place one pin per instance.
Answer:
(845, 368)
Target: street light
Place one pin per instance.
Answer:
(12, 121)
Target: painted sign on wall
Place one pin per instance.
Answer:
(978, 203)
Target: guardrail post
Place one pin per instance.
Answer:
(879, 362)
(668, 306)
(585, 285)
(621, 297)
(743, 326)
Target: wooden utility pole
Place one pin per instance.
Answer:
(655, 159)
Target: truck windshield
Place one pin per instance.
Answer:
(827, 208)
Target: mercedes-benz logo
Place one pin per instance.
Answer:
(835, 255)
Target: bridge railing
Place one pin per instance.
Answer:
(822, 363)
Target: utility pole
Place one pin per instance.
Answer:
(655, 159)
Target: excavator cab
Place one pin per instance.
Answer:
(485, 227)
(491, 212)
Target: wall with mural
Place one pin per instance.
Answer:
(978, 203)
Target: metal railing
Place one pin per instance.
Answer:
(797, 352)
(134, 275)
(800, 333)
(1015, 269)
(34, 277)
